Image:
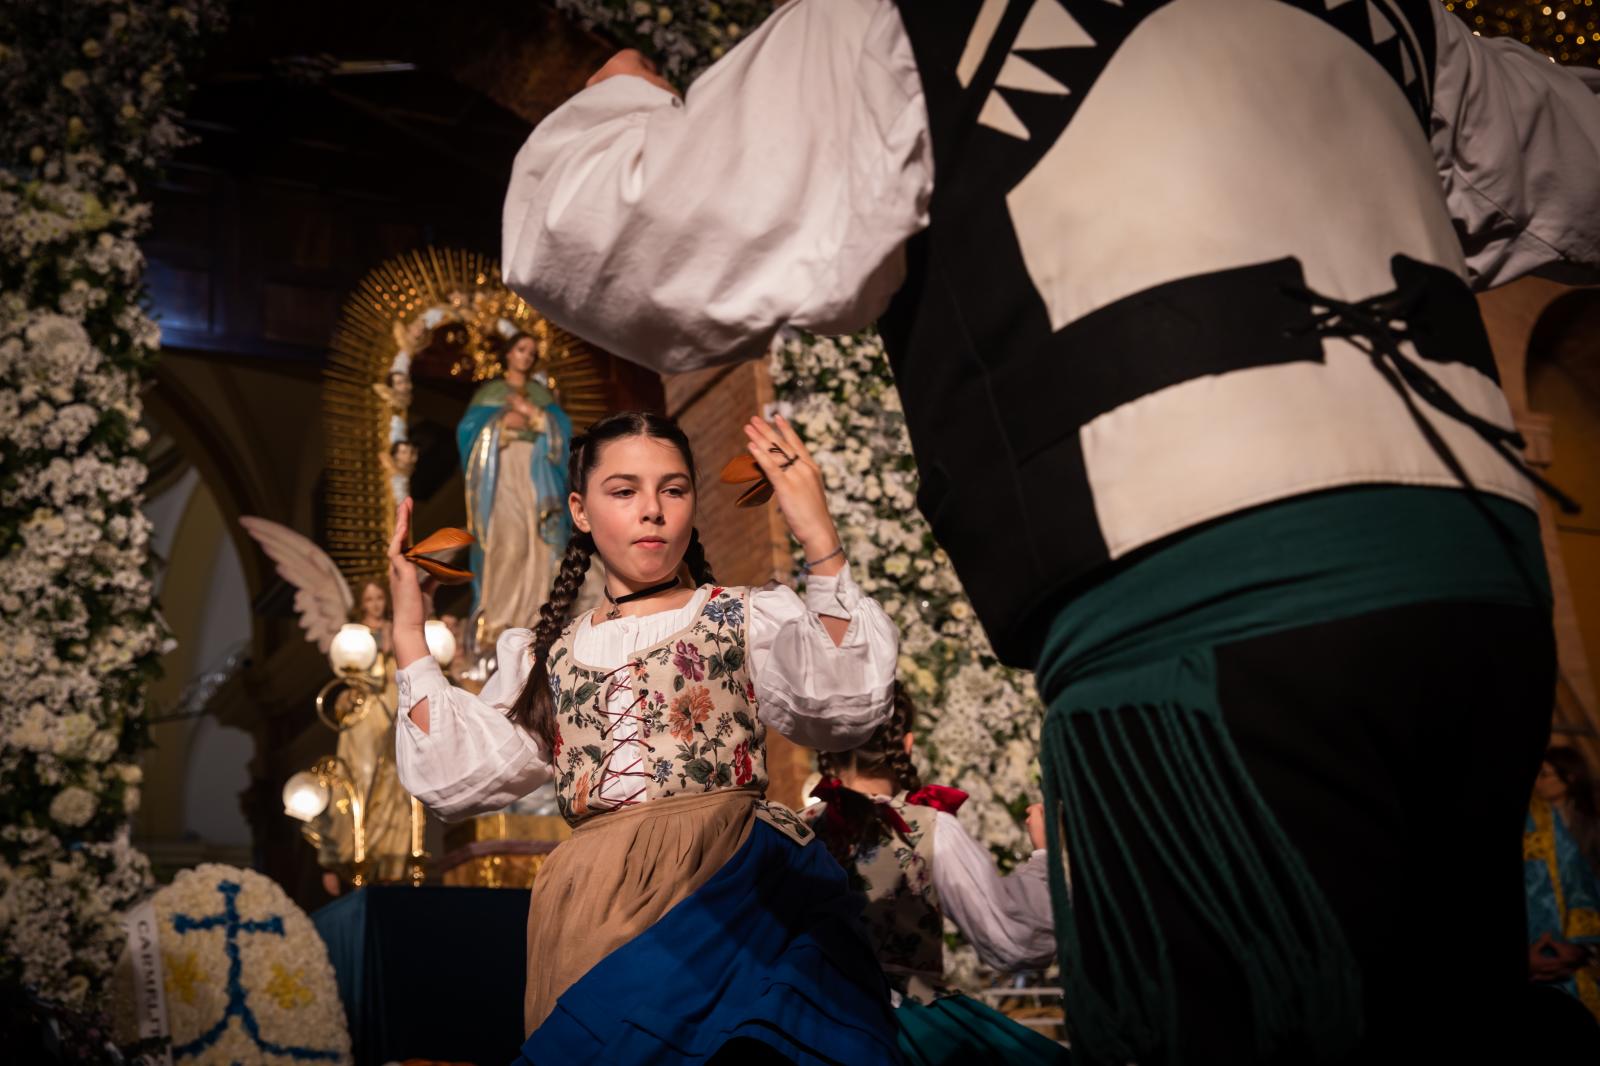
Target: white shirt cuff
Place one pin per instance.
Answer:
(836, 596)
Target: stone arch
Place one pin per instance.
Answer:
(1563, 384)
(1546, 339)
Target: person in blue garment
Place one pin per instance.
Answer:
(513, 441)
(1563, 890)
(910, 859)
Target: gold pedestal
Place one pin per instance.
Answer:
(500, 850)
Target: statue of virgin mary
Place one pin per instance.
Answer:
(513, 440)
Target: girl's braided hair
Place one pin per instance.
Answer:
(884, 750)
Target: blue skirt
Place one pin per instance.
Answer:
(959, 1030)
(770, 949)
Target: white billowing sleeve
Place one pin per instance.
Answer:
(1007, 919)
(682, 234)
(1517, 142)
(473, 759)
(815, 693)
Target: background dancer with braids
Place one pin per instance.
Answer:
(687, 919)
(903, 849)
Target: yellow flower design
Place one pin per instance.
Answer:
(287, 988)
(183, 973)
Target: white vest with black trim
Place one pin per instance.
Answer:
(1099, 346)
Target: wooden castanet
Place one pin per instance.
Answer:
(741, 469)
(428, 552)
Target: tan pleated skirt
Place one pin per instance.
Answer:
(616, 876)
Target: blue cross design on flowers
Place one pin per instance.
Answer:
(238, 1007)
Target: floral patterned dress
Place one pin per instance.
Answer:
(886, 849)
(687, 721)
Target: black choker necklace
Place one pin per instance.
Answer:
(618, 601)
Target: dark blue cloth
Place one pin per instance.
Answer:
(771, 949)
(431, 972)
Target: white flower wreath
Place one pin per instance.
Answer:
(247, 978)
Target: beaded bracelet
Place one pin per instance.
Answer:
(806, 567)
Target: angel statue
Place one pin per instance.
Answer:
(513, 441)
(324, 602)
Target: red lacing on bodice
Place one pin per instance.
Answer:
(614, 719)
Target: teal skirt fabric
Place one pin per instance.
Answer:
(1136, 759)
(958, 1029)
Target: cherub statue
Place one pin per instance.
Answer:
(399, 463)
(395, 391)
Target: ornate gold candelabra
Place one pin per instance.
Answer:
(353, 653)
(308, 793)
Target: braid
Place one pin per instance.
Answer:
(901, 718)
(534, 708)
(834, 763)
(695, 559)
(884, 750)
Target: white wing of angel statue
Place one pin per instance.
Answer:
(322, 597)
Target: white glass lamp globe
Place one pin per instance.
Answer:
(354, 649)
(304, 797)
(441, 642)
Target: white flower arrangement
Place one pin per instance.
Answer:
(280, 1006)
(684, 37)
(91, 92)
(978, 721)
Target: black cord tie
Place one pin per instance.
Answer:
(1370, 325)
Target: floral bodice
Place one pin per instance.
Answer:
(690, 723)
(886, 849)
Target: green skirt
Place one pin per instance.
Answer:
(959, 1029)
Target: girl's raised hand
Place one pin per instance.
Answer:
(405, 585)
(796, 485)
